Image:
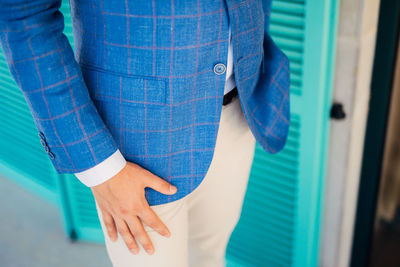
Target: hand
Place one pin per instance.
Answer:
(122, 201)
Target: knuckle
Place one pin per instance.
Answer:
(146, 239)
(108, 219)
(123, 231)
(139, 233)
(123, 210)
(143, 173)
(137, 207)
(110, 230)
(146, 242)
(130, 245)
(142, 237)
(156, 225)
(152, 224)
(109, 225)
(135, 231)
(165, 186)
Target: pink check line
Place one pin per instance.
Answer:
(237, 5)
(215, 77)
(44, 97)
(26, 27)
(107, 71)
(248, 77)
(273, 78)
(170, 89)
(194, 93)
(73, 102)
(181, 47)
(153, 4)
(37, 57)
(163, 16)
(63, 114)
(284, 97)
(83, 169)
(280, 87)
(186, 176)
(170, 154)
(154, 34)
(279, 114)
(165, 131)
(104, 33)
(252, 31)
(247, 56)
(273, 106)
(121, 113)
(82, 139)
(52, 85)
(165, 47)
(273, 124)
(145, 122)
(100, 96)
(233, 37)
(277, 111)
(127, 34)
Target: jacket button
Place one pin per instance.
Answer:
(51, 155)
(43, 142)
(219, 68)
(41, 135)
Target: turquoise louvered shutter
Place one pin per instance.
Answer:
(282, 209)
(281, 215)
(22, 157)
(77, 203)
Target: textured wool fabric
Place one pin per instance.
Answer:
(147, 77)
(116, 162)
(200, 223)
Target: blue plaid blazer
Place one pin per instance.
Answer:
(142, 80)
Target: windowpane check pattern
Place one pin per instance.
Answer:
(142, 80)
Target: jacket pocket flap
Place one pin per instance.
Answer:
(115, 86)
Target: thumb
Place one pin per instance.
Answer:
(160, 185)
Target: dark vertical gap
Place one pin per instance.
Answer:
(381, 89)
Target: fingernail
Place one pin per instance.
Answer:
(135, 251)
(172, 189)
(167, 234)
(149, 251)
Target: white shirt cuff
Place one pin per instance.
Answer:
(103, 171)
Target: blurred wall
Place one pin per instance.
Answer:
(354, 59)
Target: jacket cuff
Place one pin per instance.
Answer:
(103, 171)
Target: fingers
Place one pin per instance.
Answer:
(110, 225)
(151, 219)
(160, 184)
(137, 229)
(127, 236)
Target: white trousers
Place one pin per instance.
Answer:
(201, 222)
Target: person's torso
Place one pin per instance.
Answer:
(156, 71)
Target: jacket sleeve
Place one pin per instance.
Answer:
(43, 65)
